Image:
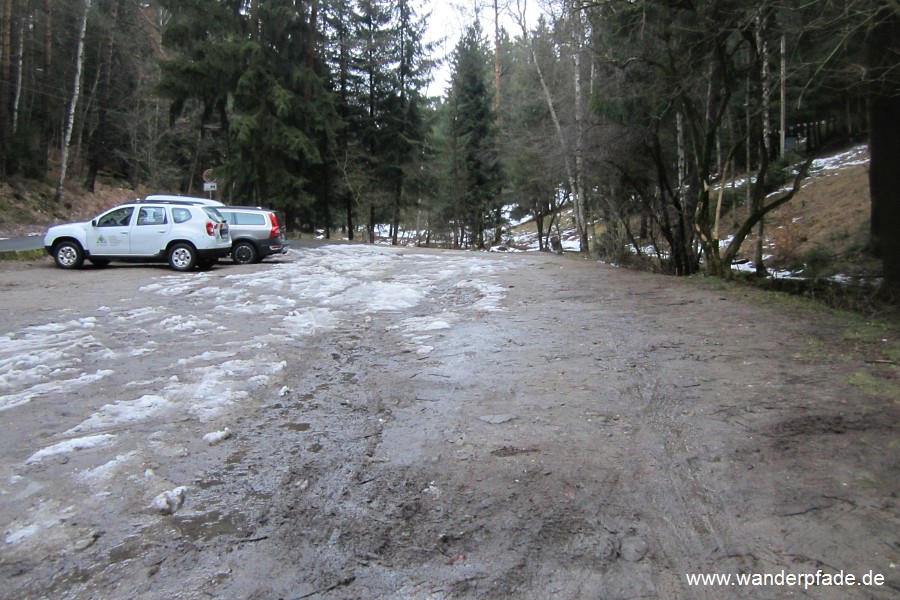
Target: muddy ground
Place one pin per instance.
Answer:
(592, 433)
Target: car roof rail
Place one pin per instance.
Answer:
(145, 201)
(246, 207)
(183, 199)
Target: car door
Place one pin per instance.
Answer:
(150, 230)
(110, 234)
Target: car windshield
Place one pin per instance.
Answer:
(118, 217)
(214, 214)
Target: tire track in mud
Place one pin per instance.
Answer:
(686, 519)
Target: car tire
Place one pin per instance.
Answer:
(182, 257)
(245, 253)
(68, 255)
(99, 262)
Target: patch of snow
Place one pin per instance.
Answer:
(105, 471)
(217, 437)
(75, 445)
(122, 412)
(169, 502)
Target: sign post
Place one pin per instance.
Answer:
(209, 184)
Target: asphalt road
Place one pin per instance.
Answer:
(34, 242)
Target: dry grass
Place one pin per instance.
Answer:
(825, 227)
(28, 206)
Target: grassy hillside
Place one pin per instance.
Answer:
(823, 231)
(28, 207)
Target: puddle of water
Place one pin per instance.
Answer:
(207, 526)
(205, 484)
(237, 457)
(128, 549)
(296, 426)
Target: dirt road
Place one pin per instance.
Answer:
(358, 422)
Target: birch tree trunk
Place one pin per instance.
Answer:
(497, 62)
(782, 139)
(20, 53)
(578, 43)
(73, 103)
(765, 147)
(548, 97)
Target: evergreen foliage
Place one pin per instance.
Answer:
(476, 159)
(318, 109)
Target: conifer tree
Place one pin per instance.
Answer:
(475, 131)
(404, 135)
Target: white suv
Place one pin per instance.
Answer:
(180, 232)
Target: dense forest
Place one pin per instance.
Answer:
(627, 115)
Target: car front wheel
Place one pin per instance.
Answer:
(182, 257)
(245, 253)
(68, 255)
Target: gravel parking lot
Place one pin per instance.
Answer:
(356, 421)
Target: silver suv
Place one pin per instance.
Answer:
(182, 233)
(255, 233)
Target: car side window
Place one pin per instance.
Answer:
(213, 214)
(249, 219)
(116, 218)
(180, 215)
(151, 216)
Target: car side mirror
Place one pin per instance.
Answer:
(93, 222)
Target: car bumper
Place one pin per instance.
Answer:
(270, 249)
(206, 254)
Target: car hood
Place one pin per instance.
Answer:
(54, 231)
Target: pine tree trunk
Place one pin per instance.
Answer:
(5, 49)
(98, 141)
(47, 128)
(884, 146)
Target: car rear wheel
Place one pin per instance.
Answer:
(245, 253)
(182, 257)
(68, 255)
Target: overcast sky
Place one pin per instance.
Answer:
(449, 19)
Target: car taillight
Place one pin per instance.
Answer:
(210, 228)
(276, 230)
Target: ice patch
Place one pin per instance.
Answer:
(63, 385)
(309, 321)
(189, 323)
(18, 535)
(105, 471)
